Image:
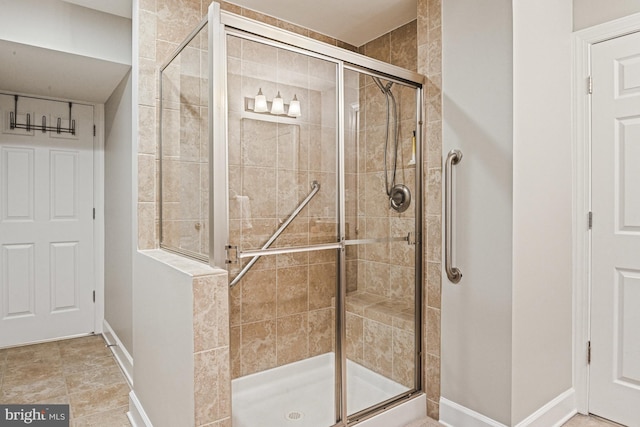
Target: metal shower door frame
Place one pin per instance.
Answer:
(221, 24)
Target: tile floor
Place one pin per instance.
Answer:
(80, 372)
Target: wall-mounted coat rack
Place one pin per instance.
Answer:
(13, 116)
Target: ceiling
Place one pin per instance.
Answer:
(114, 7)
(65, 76)
(352, 21)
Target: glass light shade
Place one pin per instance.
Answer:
(294, 108)
(277, 106)
(260, 103)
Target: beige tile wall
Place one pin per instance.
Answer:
(430, 65)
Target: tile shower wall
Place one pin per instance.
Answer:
(281, 311)
(430, 64)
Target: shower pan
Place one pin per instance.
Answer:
(313, 184)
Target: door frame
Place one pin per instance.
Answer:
(581, 149)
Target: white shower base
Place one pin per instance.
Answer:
(301, 394)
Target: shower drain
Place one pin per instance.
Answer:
(294, 416)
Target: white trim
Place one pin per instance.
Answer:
(581, 141)
(455, 415)
(120, 352)
(137, 416)
(555, 413)
(98, 223)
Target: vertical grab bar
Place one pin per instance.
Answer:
(453, 273)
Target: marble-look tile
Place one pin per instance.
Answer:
(235, 350)
(434, 236)
(93, 379)
(322, 285)
(210, 312)
(20, 392)
(293, 338)
(433, 377)
(212, 383)
(45, 352)
(378, 339)
(434, 13)
(403, 366)
(28, 372)
(321, 333)
(176, 18)
(99, 400)
(355, 338)
(434, 194)
(433, 410)
(403, 42)
(292, 290)
(87, 364)
(425, 422)
(433, 331)
(259, 296)
(258, 347)
(434, 284)
(580, 420)
(112, 418)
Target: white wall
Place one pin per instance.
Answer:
(163, 342)
(542, 207)
(65, 27)
(477, 109)
(507, 327)
(119, 240)
(587, 13)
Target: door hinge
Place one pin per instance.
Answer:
(588, 352)
(232, 254)
(590, 220)
(589, 85)
(94, 213)
(94, 296)
(94, 130)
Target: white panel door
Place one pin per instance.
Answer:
(614, 389)
(46, 224)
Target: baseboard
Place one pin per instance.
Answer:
(137, 416)
(121, 354)
(455, 415)
(553, 414)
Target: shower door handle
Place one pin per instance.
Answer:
(453, 273)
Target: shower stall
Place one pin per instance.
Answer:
(297, 166)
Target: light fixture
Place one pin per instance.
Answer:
(260, 103)
(277, 105)
(294, 107)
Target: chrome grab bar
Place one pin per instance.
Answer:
(315, 187)
(453, 273)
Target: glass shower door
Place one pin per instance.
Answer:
(382, 348)
(284, 233)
